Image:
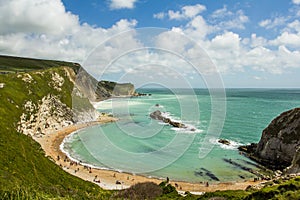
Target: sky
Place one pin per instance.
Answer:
(250, 43)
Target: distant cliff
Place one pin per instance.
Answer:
(97, 91)
(279, 146)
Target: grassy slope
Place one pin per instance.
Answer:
(24, 169)
(14, 64)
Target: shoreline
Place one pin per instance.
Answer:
(110, 179)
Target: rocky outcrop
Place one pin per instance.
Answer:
(279, 145)
(98, 91)
(224, 141)
(50, 114)
(158, 116)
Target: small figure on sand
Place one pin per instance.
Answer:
(206, 184)
(168, 179)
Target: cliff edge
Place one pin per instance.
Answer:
(279, 146)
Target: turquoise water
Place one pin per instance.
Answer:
(139, 145)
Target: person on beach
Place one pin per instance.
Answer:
(206, 184)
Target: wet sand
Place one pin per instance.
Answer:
(107, 179)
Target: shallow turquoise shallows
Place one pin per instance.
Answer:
(139, 145)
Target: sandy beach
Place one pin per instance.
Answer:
(107, 179)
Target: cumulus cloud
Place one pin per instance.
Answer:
(186, 12)
(159, 15)
(287, 39)
(121, 4)
(269, 23)
(224, 19)
(40, 16)
(44, 29)
(297, 2)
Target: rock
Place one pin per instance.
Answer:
(224, 141)
(158, 116)
(279, 146)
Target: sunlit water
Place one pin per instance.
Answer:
(137, 144)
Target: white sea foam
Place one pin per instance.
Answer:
(189, 128)
(109, 104)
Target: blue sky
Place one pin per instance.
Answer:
(250, 43)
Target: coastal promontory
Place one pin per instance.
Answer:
(279, 146)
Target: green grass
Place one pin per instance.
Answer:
(18, 64)
(24, 170)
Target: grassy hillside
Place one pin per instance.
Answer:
(17, 64)
(25, 172)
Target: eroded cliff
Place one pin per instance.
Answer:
(279, 145)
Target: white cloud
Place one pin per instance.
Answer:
(293, 27)
(223, 19)
(221, 13)
(192, 11)
(287, 39)
(160, 15)
(186, 12)
(44, 29)
(297, 2)
(35, 16)
(58, 34)
(257, 41)
(122, 4)
(270, 24)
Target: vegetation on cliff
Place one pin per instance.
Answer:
(24, 170)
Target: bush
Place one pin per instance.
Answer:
(147, 190)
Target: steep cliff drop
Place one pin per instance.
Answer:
(279, 146)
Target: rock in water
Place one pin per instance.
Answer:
(224, 141)
(158, 116)
(279, 146)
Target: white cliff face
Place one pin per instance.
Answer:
(51, 114)
(57, 81)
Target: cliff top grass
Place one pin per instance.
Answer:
(9, 64)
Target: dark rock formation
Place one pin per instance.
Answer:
(224, 141)
(279, 146)
(158, 116)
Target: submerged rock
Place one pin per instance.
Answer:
(279, 146)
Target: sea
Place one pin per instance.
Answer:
(138, 144)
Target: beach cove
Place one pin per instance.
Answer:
(51, 145)
(227, 157)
